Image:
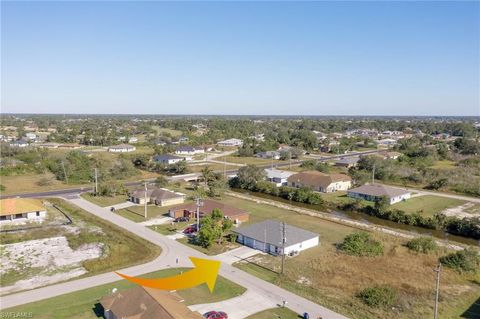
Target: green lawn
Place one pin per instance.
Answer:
(137, 213)
(168, 229)
(82, 304)
(444, 165)
(213, 250)
(105, 201)
(276, 313)
(427, 205)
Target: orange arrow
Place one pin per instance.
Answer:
(205, 271)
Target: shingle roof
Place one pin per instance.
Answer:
(275, 173)
(347, 160)
(146, 303)
(315, 178)
(270, 231)
(155, 193)
(379, 190)
(209, 205)
(11, 206)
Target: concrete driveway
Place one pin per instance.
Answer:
(240, 307)
(237, 254)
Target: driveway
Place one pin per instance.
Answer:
(239, 307)
(171, 250)
(237, 254)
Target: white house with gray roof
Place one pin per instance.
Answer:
(267, 237)
(278, 177)
(374, 192)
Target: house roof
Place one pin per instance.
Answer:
(209, 205)
(270, 231)
(315, 178)
(156, 193)
(165, 157)
(12, 206)
(275, 173)
(147, 303)
(379, 190)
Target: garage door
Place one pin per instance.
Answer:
(248, 242)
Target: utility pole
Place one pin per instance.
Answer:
(96, 181)
(437, 289)
(284, 240)
(373, 174)
(65, 172)
(199, 203)
(290, 159)
(225, 167)
(145, 204)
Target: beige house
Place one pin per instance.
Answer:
(157, 196)
(21, 209)
(320, 182)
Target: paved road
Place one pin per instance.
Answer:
(267, 293)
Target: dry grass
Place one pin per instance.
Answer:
(29, 183)
(249, 160)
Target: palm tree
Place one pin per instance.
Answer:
(207, 174)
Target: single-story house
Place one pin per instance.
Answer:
(144, 303)
(374, 192)
(268, 154)
(386, 142)
(231, 142)
(392, 155)
(21, 209)
(320, 182)
(189, 210)
(157, 196)
(277, 176)
(170, 159)
(19, 143)
(189, 150)
(347, 161)
(267, 236)
(121, 148)
(31, 136)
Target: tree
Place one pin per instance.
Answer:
(217, 186)
(213, 228)
(250, 175)
(382, 204)
(207, 174)
(161, 181)
(179, 167)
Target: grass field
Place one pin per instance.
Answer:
(29, 183)
(276, 313)
(214, 249)
(444, 165)
(167, 130)
(105, 201)
(168, 229)
(332, 279)
(83, 304)
(121, 248)
(214, 166)
(427, 205)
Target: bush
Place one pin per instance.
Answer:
(422, 245)
(463, 261)
(378, 296)
(361, 244)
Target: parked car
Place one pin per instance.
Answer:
(215, 315)
(181, 219)
(189, 230)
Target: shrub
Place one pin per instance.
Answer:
(378, 296)
(2, 187)
(361, 244)
(462, 261)
(422, 245)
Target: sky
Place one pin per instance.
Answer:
(265, 58)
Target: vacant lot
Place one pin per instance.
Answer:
(17, 184)
(195, 168)
(332, 278)
(87, 233)
(85, 303)
(427, 205)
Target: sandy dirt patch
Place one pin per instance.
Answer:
(461, 211)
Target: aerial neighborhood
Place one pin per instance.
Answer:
(240, 160)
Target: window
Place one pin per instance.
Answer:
(38, 214)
